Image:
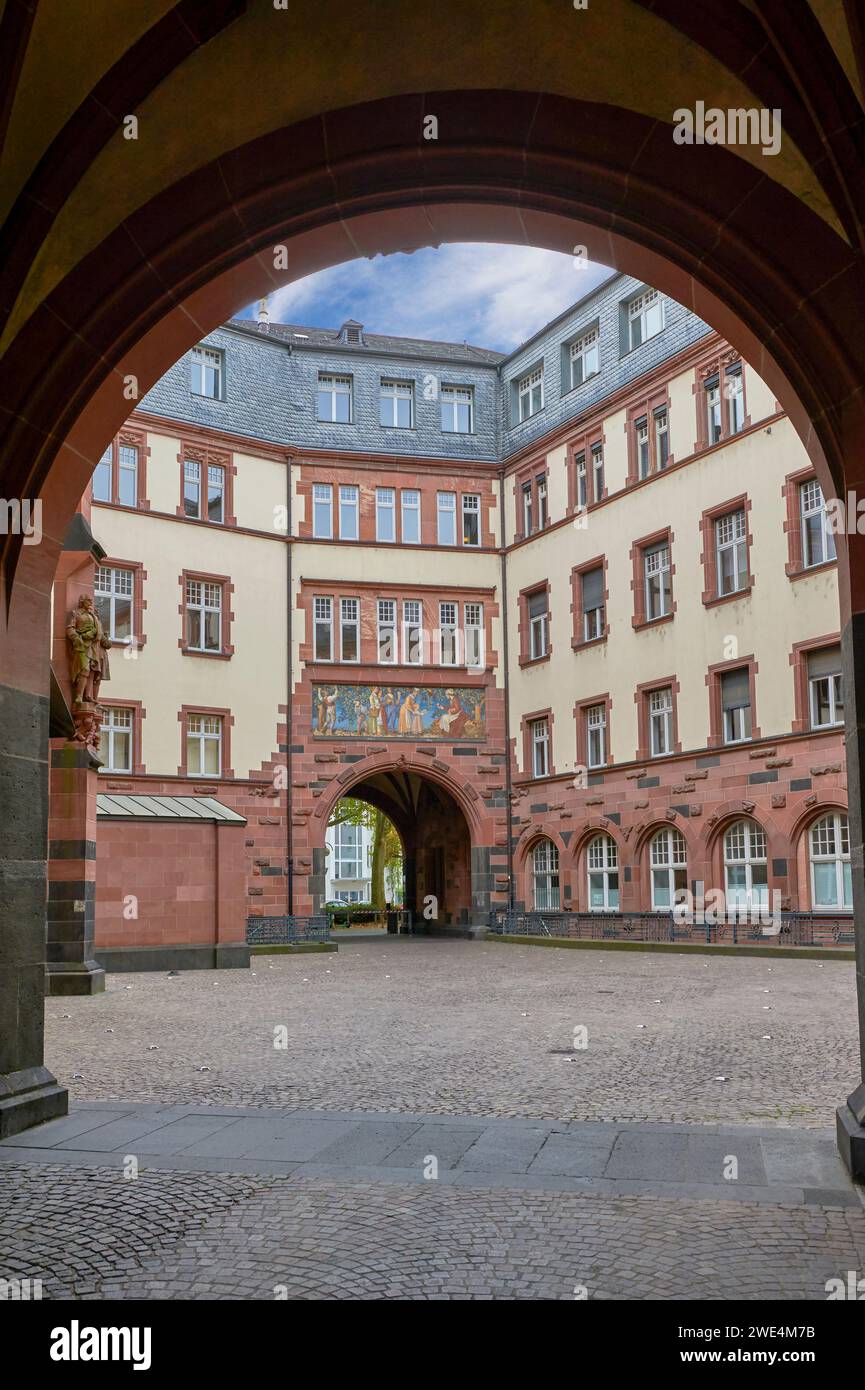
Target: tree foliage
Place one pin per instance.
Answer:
(386, 845)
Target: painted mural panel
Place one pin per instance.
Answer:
(398, 711)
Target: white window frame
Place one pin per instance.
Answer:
(734, 390)
(530, 394)
(349, 617)
(200, 737)
(386, 626)
(714, 413)
(657, 565)
(385, 508)
(597, 472)
(113, 731)
(645, 309)
(473, 614)
(744, 848)
(593, 618)
(644, 456)
(585, 358)
(731, 540)
(322, 508)
(660, 712)
(596, 736)
(834, 700)
(833, 832)
(322, 622)
(348, 856)
(545, 877)
(813, 504)
(582, 476)
(391, 392)
(446, 507)
(127, 469)
(471, 507)
(349, 512)
(453, 400)
(738, 722)
(410, 506)
(448, 633)
(661, 425)
(602, 869)
(539, 630)
(412, 622)
(668, 858)
(207, 366)
(335, 387)
(539, 738)
(204, 597)
(114, 584)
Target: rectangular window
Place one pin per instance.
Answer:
(824, 688)
(448, 653)
(115, 740)
(192, 489)
(387, 645)
(114, 591)
(713, 409)
(539, 624)
(474, 628)
(471, 519)
(203, 616)
(348, 852)
(597, 472)
(596, 736)
(216, 493)
(322, 629)
(127, 475)
(736, 705)
(322, 511)
(205, 377)
(334, 399)
(661, 721)
(410, 517)
(349, 629)
(539, 732)
(396, 404)
(527, 509)
(592, 590)
(385, 514)
(662, 438)
(585, 357)
(645, 317)
(731, 545)
(446, 510)
(412, 632)
(818, 539)
(658, 581)
(641, 429)
(582, 483)
(102, 476)
(530, 394)
(204, 745)
(541, 486)
(734, 392)
(457, 408)
(349, 510)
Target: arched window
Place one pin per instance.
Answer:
(545, 876)
(669, 857)
(746, 880)
(831, 885)
(603, 864)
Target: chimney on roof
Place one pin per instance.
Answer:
(263, 315)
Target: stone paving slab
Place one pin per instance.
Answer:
(775, 1166)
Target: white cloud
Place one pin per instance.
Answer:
(490, 295)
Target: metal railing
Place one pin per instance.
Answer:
(794, 929)
(286, 931)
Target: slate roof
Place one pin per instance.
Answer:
(122, 806)
(300, 336)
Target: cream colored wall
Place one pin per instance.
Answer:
(767, 622)
(615, 451)
(163, 472)
(370, 564)
(682, 416)
(260, 497)
(759, 399)
(251, 684)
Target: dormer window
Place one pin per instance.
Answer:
(352, 333)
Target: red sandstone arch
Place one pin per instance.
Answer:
(398, 760)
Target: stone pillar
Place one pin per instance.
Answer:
(71, 914)
(850, 1118)
(28, 1091)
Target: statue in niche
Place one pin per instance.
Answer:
(88, 668)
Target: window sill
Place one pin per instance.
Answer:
(580, 646)
(211, 656)
(639, 624)
(536, 660)
(714, 601)
(803, 571)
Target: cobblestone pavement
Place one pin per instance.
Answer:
(91, 1234)
(476, 1029)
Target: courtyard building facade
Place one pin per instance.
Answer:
(568, 616)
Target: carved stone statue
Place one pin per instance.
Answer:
(88, 668)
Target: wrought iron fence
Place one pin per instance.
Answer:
(286, 931)
(794, 929)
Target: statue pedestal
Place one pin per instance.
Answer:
(71, 911)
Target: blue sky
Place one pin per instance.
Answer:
(493, 296)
